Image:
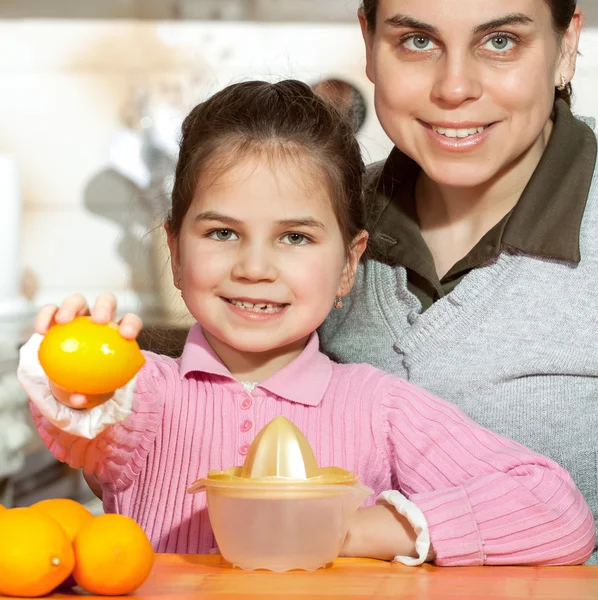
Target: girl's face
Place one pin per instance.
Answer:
(260, 256)
(466, 87)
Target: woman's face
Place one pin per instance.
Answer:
(466, 87)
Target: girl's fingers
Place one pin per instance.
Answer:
(45, 318)
(104, 309)
(77, 400)
(73, 306)
(130, 326)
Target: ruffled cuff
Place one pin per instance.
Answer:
(417, 520)
(87, 423)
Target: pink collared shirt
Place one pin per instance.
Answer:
(486, 499)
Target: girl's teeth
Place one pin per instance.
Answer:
(261, 308)
(458, 133)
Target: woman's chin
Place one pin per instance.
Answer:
(466, 176)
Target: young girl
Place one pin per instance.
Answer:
(265, 233)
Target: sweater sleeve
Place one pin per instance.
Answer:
(109, 442)
(486, 499)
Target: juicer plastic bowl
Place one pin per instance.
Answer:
(280, 511)
(291, 527)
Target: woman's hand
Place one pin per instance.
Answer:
(103, 311)
(379, 532)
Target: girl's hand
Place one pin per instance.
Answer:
(103, 311)
(379, 532)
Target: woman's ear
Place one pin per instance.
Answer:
(173, 246)
(356, 250)
(569, 49)
(368, 39)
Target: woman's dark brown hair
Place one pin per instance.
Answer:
(562, 13)
(284, 121)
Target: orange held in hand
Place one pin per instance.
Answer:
(113, 555)
(35, 553)
(89, 358)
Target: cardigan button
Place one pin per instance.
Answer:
(244, 449)
(246, 425)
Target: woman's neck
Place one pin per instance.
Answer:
(453, 220)
(255, 366)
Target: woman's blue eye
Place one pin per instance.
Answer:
(296, 239)
(222, 235)
(501, 43)
(419, 42)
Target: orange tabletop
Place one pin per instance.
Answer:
(198, 577)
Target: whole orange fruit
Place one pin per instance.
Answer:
(88, 358)
(35, 553)
(113, 556)
(70, 515)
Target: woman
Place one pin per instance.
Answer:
(485, 221)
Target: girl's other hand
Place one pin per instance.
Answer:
(103, 312)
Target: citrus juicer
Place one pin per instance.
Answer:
(280, 511)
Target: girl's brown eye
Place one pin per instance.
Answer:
(296, 239)
(222, 235)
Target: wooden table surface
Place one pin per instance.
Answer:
(197, 577)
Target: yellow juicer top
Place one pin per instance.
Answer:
(280, 454)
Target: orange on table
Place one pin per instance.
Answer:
(70, 515)
(35, 553)
(113, 556)
(89, 358)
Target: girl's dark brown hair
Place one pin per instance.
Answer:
(286, 121)
(562, 13)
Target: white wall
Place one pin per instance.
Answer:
(66, 88)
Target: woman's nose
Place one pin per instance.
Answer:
(255, 263)
(457, 80)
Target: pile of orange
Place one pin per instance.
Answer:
(89, 358)
(59, 542)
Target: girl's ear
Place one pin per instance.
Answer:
(356, 250)
(173, 246)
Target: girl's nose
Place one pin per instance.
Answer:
(254, 264)
(456, 80)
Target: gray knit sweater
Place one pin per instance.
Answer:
(515, 345)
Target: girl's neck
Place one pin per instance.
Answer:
(453, 220)
(255, 366)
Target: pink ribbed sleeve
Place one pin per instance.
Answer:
(487, 500)
(116, 456)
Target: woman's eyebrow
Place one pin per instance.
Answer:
(511, 19)
(400, 20)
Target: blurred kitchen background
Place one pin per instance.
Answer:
(92, 94)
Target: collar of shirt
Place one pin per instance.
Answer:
(304, 380)
(545, 222)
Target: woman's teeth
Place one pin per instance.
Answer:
(458, 133)
(258, 308)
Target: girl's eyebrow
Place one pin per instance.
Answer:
(305, 222)
(400, 20)
(212, 215)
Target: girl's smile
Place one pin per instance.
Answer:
(262, 310)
